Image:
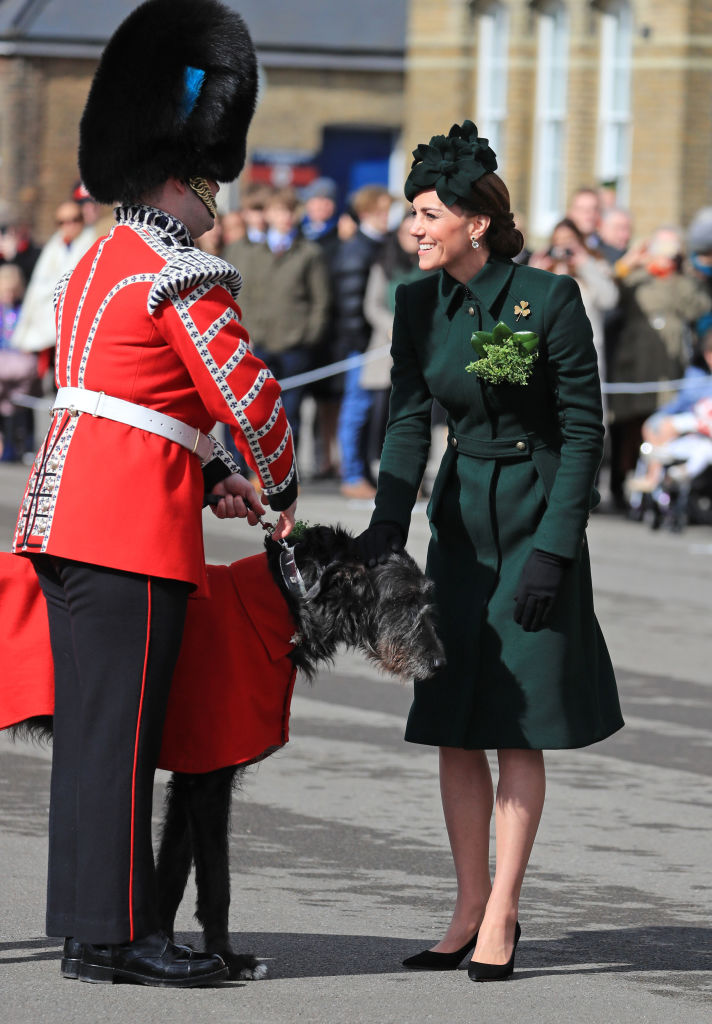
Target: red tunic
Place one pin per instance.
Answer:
(232, 687)
(148, 318)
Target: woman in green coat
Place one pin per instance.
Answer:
(527, 667)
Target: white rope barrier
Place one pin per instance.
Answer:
(296, 381)
(301, 379)
(30, 402)
(642, 387)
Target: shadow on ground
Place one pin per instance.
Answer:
(667, 950)
(669, 961)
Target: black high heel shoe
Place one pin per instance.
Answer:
(494, 972)
(431, 961)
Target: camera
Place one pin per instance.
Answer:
(557, 252)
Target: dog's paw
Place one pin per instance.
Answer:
(258, 972)
(244, 967)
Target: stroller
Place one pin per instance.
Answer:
(683, 491)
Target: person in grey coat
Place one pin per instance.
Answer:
(285, 298)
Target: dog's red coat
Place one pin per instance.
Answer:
(232, 687)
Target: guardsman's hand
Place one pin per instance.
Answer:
(236, 493)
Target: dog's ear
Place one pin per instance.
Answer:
(351, 577)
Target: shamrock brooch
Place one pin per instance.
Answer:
(504, 357)
(522, 309)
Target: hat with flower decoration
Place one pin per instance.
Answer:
(172, 97)
(450, 164)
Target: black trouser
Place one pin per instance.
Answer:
(115, 639)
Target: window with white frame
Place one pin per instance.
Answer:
(614, 98)
(492, 71)
(548, 199)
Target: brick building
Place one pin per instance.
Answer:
(571, 93)
(331, 98)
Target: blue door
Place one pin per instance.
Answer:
(356, 156)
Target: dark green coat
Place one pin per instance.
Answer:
(518, 474)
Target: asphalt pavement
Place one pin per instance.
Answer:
(340, 864)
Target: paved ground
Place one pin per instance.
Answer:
(340, 863)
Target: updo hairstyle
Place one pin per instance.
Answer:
(490, 196)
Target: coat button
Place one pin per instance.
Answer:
(521, 446)
(471, 310)
(453, 442)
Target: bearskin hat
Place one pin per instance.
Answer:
(172, 97)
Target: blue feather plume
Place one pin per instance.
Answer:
(193, 79)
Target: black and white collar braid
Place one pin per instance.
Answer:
(171, 230)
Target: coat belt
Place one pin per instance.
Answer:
(497, 448)
(76, 400)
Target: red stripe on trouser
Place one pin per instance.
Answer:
(133, 780)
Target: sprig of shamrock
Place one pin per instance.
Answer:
(505, 356)
(298, 529)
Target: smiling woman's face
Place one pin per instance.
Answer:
(444, 236)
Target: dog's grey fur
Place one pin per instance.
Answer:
(386, 612)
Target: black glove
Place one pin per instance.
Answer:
(379, 541)
(540, 582)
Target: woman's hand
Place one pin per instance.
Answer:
(378, 542)
(285, 523)
(238, 499)
(539, 585)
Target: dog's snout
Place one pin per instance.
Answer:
(428, 668)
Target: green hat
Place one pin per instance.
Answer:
(450, 164)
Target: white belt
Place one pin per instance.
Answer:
(97, 403)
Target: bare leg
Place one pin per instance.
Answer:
(467, 797)
(520, 800)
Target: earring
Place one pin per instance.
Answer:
(475, 243)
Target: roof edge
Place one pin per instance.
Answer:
(353, 60)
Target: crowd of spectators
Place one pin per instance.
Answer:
(649, 301)
(319, 286)
(28, 277)
(305, 264)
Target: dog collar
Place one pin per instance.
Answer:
(293, 578)
(291, 575)
(290, 571)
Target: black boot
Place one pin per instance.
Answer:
(71, 958)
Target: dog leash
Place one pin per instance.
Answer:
(287, 562)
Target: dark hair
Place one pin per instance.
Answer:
(566, 222)
(490, 196)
